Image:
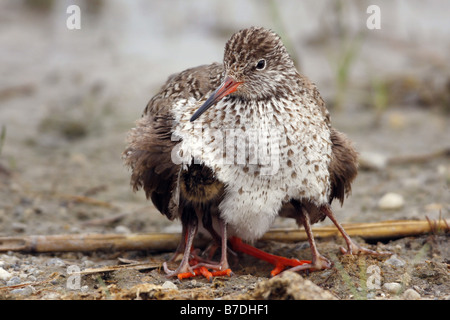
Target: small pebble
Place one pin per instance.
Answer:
(412, 182)
(51, 296)
(122, 230)
(391, 201)
(56, 262)
(9, 258)
(23, 291)
(411, 294)
(36, 272)
(372, 161)
(169, 285)
(4, 275)
(88, 264)
(32, 278)
(392, 287)
(13, 281)
(18, 227)
(371, 295)
(395, 261)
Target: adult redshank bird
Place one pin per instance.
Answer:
(229, 147)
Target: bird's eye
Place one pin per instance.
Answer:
(261, 64)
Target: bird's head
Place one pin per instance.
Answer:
(257, 66)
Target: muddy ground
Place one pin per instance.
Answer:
(67, 99)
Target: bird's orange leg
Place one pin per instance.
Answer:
(184, 267)
(222, 268)
(279, 262)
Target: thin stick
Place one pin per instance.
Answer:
(90, 242)
(420, 158)
(135, 266)
(53, 276)
(377, 230)
(169, 241)
(84, 199)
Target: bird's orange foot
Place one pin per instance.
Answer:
(206, 273)
(280, 263)
(203, 270)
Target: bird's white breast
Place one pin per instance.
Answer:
(264, 153)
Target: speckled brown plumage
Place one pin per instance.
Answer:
(179, 150)
(150, 143)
